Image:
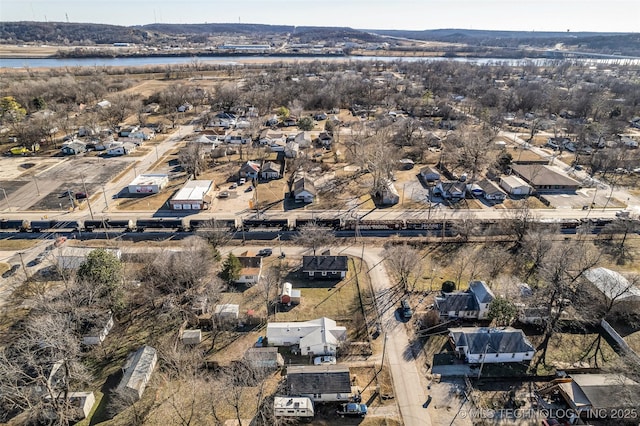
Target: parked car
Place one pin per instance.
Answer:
(405, 309)
(353, 409)
(324, 360)
(11, 272)
(265, 252)
(81, 195)
(242, 181)
(249, 189)
(223, 194)
(233, 186)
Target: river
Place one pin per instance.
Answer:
(18, 63)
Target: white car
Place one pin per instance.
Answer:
(324, 360)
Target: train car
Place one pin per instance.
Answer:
(323, 223)
(373, 225)
(109, 224)
(14, 224)
(281, 224)
(421, 224)
(161, 223)
(230, 224)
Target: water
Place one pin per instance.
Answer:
(236, 60)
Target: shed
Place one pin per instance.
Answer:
(227, 313)
(137, 372)
(288, 295)
(148, 184)
(430, 174)
(191, 337)
(81, 403)
(407, 163)
(267, 357)
(70, 257)
(194, 195)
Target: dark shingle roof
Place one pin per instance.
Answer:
(482, 292)
(324, 263)
(304, 184)
(318, 379)
(482, 340)
(457, 302)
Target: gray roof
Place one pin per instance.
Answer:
(324, 263)
(270, 166)
(608, 390)
(481, 340)
(613, 285)
(310, 379)
(482, 292)
(456, 302)
(541, 175)
(304, 184)
(489, 187)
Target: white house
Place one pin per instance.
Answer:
(318, 337)
(293, 406)
(515, 186)
(250, 170)
(148, 184)
(120, 148)
(270, 170)
(326, 266)
(491, 345)
(73, 147)
(320, 383)
(303, 139)
(388, 194)
(304, 191)
(137, 372)
(452, 189)
(473, 303)
(291, 149)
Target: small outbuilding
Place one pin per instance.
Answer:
(227, 313)
(429, 174)
(267, 357)
(293, 406)
(515, 186)
(137, 372)
(191, 337)
(289, 295)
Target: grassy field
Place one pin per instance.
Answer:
(10, 244)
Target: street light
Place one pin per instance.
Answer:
(6, 198)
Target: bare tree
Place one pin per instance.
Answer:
(406, 264)
(519, 220)
(193, 159)
(295, 168)
(313, 237)
(214, 233)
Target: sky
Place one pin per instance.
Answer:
(521, 15)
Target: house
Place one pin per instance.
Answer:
(613, 286)
(226, 313)
(237, 139)
(251, 270)
(320, 383)
(450, 189)
(95, 326)
(293, 406)
(148, 183)
(388, 194)
(126, 131)
(491, 345)
(304, 191)
(291, 149)
(303, 139)
(269, 136)
(270, 170)
(185, 107)
(545, 179)
(137, 372)
(191, 337)
(120, 148)
(513, 185)
(536, 315)
(145, 134)
(472, 303)
(429, 174)
(223, 119)
(194, 195)
(329, 267)
(315, 337)
(599, 393)
(268, 358)
(289, 121)
(491, 191)
(250, 170)
(73, 147)
(325, 139)
(70, 257)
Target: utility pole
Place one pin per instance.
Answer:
(104, 193)
(84, 185)
(37, 188)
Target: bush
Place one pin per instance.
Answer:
(448, 286)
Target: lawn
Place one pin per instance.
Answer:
(9, 244)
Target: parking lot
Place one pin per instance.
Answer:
(583, 197)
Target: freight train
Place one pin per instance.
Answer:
(433, 227)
